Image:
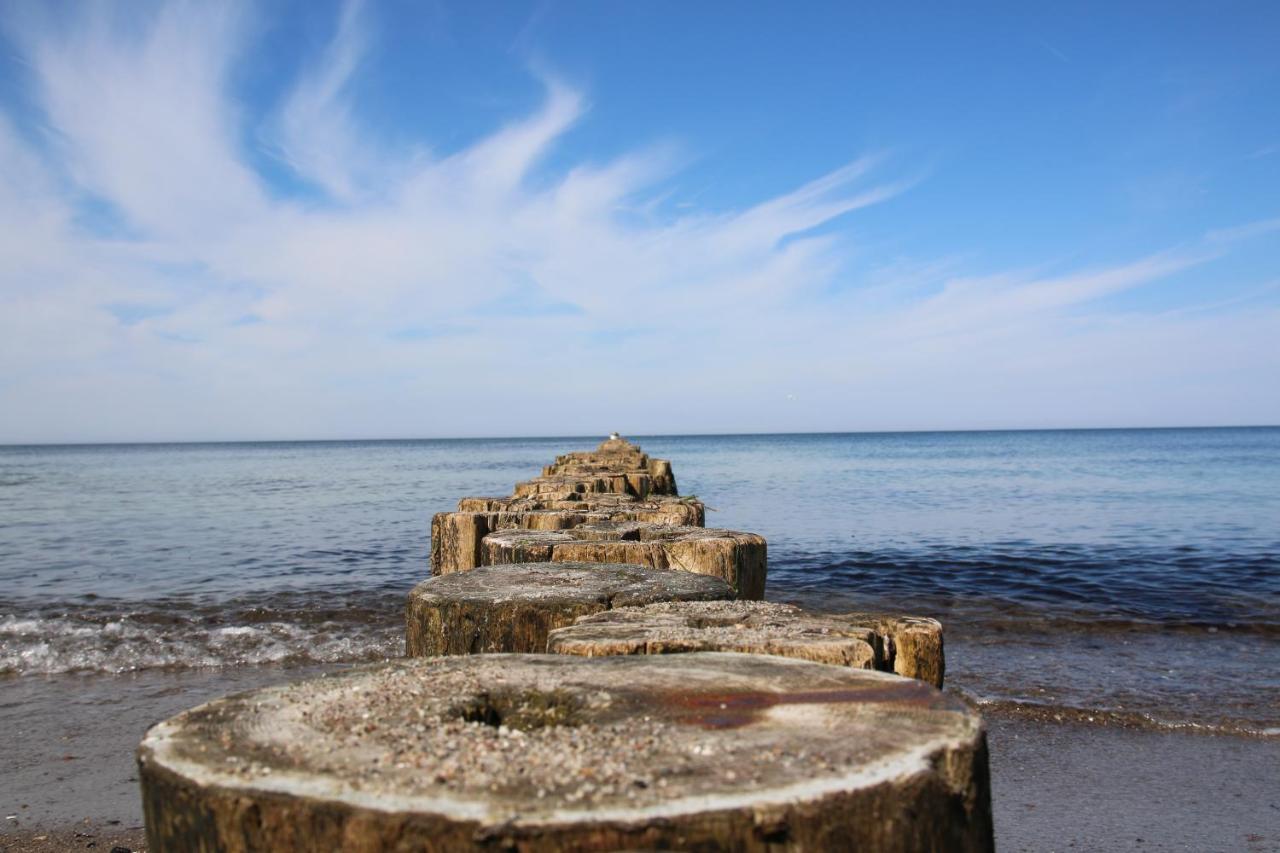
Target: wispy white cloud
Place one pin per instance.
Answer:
(316, 131)
(479, 292)
(1248, 231)
(139, 117)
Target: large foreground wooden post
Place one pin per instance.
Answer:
(704, 751)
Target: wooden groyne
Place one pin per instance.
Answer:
(674, 711)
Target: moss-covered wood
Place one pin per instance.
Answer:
(512, 608)
(704, 751)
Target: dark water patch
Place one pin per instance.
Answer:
(1190, 586)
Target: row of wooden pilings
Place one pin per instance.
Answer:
(590, 667)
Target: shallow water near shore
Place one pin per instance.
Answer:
(1098, 573)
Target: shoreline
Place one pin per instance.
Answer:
(1056, 784)
(1067, 786)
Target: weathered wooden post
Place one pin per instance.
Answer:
(740, 559)
(703, 751)
(908, 645)
(511, 608)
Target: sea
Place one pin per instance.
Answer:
(1121, 577)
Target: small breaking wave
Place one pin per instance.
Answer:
(108, 639)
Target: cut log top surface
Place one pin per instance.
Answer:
(911, 646)
(606, 584)
(506, 743)
(755, 627)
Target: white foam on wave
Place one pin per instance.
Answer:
(62, 644)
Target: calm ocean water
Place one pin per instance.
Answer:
(1132, 574)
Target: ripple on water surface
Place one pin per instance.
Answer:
(1127, 571)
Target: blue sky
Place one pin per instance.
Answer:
(328, 220)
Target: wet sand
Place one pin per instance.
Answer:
(1067, 786)
(70, 781)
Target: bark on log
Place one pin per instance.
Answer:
(456, 536)
(706, 751)
(512, 608)
(738, 558)
(908, 645)
(663, 478)
(915, 645)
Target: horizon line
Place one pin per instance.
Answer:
(656, 435)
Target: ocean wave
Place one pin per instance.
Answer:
(98, 640)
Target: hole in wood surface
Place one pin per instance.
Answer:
(524, 710)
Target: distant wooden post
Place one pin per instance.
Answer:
(512, 608)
